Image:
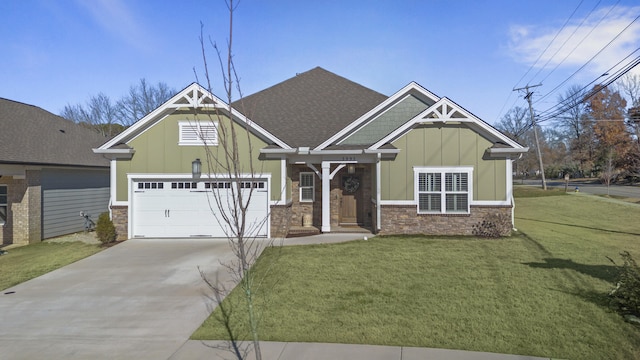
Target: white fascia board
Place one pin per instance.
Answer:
(172, 104)
(471, 119)
(382, 151)
(393, 98)
(115, 153)
(169, 106)
(278, 151)
(259, 129)
(336, 152)
(131, 177)
(407, 126)
(507, 151)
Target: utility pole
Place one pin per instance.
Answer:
(535, 130)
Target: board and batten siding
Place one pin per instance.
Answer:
(443, 145)
(157, 152)
(66, 193)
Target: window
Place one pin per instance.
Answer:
(198, 133)
(307, 189)
(443, 190)
(3, 204)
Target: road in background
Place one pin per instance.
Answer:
(589, 187)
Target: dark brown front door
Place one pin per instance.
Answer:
(350, 200)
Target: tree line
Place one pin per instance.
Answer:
(598, 136)
(109, 117)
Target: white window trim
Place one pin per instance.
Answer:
(198, 124)
(5, 204)
(313, 187)
(442, 171)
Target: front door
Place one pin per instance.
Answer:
(350, 200)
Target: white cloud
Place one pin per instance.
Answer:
(576, 44)
(116, 18)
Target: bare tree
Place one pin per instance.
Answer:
(141, 100)
(109, 118)
(99, 113)
(236, 159)
(629, 85)
(515, 124)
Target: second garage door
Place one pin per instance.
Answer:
(187, 209)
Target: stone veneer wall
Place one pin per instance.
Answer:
(280, 220)
(404, 219)
(120, 219)
(297, 208)
(24, 210)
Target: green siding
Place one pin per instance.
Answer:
(443, 145)
(157, 151)
(388, 121)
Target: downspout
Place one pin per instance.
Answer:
(378, 191)
(513, 200)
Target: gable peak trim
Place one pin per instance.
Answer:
(412, 88)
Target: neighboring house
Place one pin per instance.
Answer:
(325, 150)
(48, 174)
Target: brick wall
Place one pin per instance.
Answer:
(280, 220)
(120, 219)
(24, 209)
(401, 219)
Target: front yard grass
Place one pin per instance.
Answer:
(541, 292)
(27, 262)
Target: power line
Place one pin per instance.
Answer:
(593, 57)
(551, 42)
(580, 93)
(581, 41)
(550, 114)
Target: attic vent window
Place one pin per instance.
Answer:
(193, 133)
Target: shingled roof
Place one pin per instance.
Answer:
(31, 135)
(310, 107)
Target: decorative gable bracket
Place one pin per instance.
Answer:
(194, 97)
(443, 111)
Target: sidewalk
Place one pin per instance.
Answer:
(196, 349)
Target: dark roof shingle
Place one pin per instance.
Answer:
(309, 108)
(31, 135)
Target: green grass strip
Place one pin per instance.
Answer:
(27, 262)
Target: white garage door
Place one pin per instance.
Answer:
(179, 208)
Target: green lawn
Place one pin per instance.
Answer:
(539, 292)
(27, 262)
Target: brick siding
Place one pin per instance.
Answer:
(24, 210)
(120, 219)
(404, 219)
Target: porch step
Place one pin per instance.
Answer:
(351, 229)
(296, 231)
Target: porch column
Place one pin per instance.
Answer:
(326, 193)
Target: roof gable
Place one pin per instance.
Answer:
(376, 114)
(32, 135)
(309, 108)
(193, 96)
(445, 110)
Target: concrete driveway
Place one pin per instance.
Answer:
(139, 299)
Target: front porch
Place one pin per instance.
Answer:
(345, 205)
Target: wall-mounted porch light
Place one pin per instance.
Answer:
(196, 168)
(351, 169)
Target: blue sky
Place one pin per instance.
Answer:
(58, 52)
